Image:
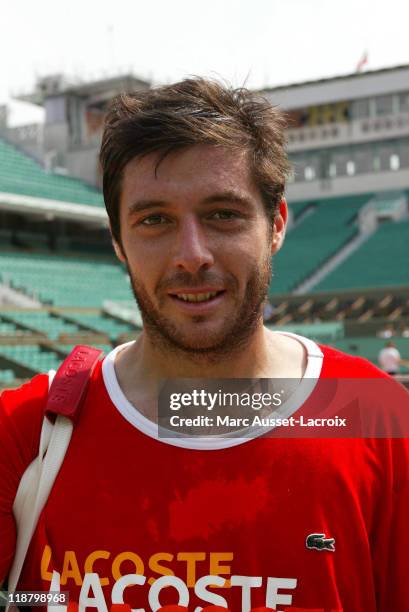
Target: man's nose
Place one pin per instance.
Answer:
(192, 250)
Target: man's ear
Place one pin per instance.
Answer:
(117, 247)
(279, 227)
(118, 251)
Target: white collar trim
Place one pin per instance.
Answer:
(147, 427)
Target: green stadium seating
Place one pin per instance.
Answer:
(7, 328)
(299, 207)
(32, 356)
(105, 324)
(42, 321)
(6, 377)
(320, 332)
(20, 174)
(319, 236)
(67, 348)
(381, 261)
(65, 280)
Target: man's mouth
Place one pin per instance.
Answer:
(196, 296)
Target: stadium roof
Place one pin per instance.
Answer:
(350, 75)
(354, 86)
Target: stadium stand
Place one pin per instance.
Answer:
(299, 208)
(372, 307)
(44, 322)
(321, 332)
(104, 324)
(67, 348)
(316, 238)
(369, 347)
(20, 174)
(35, 357)
(65, 280)
(383, 260)
(7, 378)
(10, 328)
(36, 340)
(7, 328)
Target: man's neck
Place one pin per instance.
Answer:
(244, 361)
(140, 366)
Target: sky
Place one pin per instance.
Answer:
(259, 43)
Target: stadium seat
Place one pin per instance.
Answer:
(316, 238)
(20, 174)
(43, 322)
(35, 357)
(65, 280)
(6, 377)
(321, 332)
(383, 260)
(105, 324)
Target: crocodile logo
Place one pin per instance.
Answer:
(320, 542)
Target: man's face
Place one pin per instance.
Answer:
(197, 244)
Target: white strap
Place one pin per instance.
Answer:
(35, 487)
(31, 477)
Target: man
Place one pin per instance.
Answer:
(194, 176)
(389, 358)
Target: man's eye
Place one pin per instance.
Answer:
(225, 214)
(153, 220)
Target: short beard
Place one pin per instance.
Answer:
(244, 321)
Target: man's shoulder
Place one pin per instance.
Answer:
(337, 364)
(383, 402)
(29, 397)
(21, 417)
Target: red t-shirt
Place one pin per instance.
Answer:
(137, 520)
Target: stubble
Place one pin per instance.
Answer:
(246, 316)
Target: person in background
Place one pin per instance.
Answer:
(387, 332)
(389, 358)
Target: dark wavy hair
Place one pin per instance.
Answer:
(195, 111)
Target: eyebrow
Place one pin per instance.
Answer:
(141, 205)
(231, 197)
